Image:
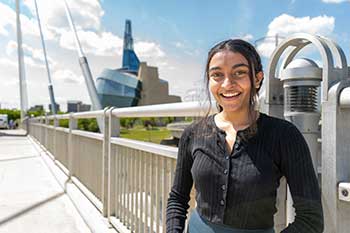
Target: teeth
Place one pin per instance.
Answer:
(231, 94)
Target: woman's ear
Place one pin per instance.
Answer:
(258, 78)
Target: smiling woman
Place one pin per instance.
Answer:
(229, 81)
(236, 158)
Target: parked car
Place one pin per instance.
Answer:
(4, 121)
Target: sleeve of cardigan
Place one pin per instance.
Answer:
(180, 192)
(297, 167)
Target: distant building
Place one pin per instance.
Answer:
(135, 83)
(36, 108)
(73, 105)
(84, 107)
(154, 90)
(57, 107)
(77, 106)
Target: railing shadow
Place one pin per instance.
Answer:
(18, 158)
(17, 134)
(30, 208)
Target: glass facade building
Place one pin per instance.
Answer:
(118, 88)
(121, 87)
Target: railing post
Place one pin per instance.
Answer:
(105, 163)
(73, 124)
(113, 131)
(114, 124)
(46, 131)
(111, 128)
(27, 125)
(42, 129)
(55, 124)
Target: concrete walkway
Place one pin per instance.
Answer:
(31, 200)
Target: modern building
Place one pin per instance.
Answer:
(135, 83)
(36, 108)
(84, 107)
(77, 106)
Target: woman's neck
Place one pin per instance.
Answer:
(238, 120)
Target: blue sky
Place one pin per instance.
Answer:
(172, 35)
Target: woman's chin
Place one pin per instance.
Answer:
(232, 108)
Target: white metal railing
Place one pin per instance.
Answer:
(127, 180)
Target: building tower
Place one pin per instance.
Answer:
(130, 60)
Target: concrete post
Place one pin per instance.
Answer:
(114, 131)
(105, 163)
(27, 125)
(55, 125)
(46, 134)
(73, 124)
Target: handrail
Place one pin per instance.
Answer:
(114, 170)
(159, 110)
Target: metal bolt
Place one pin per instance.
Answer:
(345, 192)
(281, 98)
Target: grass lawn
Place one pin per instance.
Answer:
(154, 135)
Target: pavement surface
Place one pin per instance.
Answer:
(31, 200)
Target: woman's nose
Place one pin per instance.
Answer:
(228, 81)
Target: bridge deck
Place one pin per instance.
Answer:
(31, 200)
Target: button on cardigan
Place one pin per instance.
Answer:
(238, 188)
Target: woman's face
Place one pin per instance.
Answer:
(229, 81)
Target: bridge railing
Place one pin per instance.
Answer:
(127, 180)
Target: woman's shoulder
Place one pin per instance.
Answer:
(200, 125)
(276, 123)
(280, 129)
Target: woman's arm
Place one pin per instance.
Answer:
(296, 166)
(180, 192)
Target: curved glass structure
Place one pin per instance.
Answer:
(118, 88)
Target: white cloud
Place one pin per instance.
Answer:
(54, 16)
(285, 25)
(29, 26)
(11, 47)
(179, 44)
(32, 62)
(34, 57)
(104, 44)
(146, 49)
(108, 44)
(67, 76)
(7, 18)
(247, 37)
(335, 1)
(7, 62)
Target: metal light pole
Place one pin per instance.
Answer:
(50, 87)
(21, 68)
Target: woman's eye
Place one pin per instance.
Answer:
(240, 73)
(216, 75)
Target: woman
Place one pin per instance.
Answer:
(235, 158)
